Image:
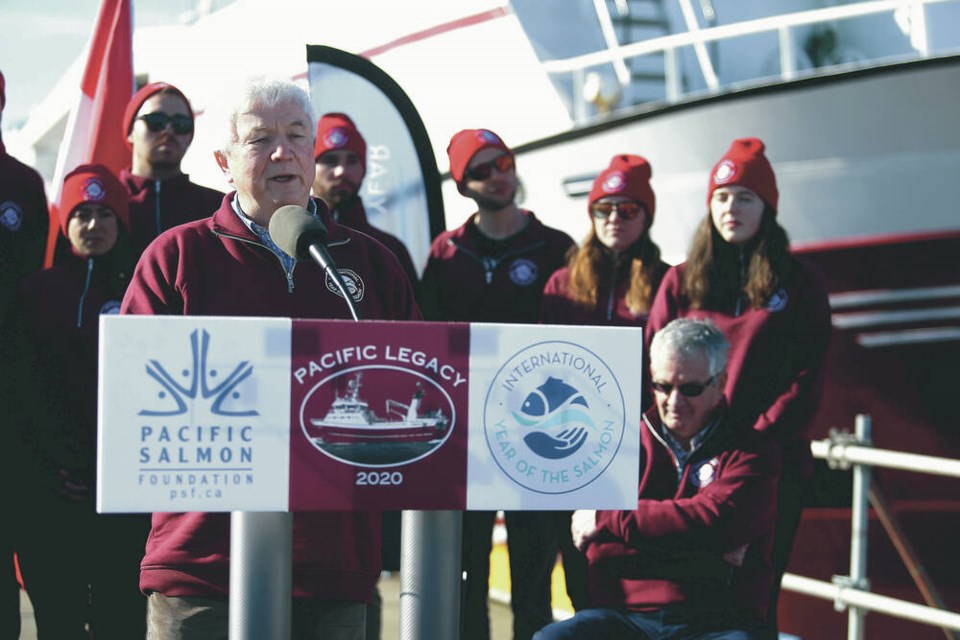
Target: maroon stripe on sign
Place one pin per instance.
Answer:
(469, 21)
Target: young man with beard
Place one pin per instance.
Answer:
(158, 126)
(493, 268)
(341, 156)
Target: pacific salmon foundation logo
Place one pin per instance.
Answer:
(554, 417)
(195, 383)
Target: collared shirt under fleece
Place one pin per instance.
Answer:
(704, 540)
(217, 266)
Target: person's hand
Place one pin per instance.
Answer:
(583, 527)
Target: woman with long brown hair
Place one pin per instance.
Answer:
(613, 277)
(773, 309)
(611, 280)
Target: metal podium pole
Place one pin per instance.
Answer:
(261, 575)
(430, 574)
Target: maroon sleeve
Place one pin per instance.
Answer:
(724, 516)
(551, 305)
(793, 409)
(154, 289)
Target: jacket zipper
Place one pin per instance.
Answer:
(288, 274)
(490, 264)
(743, 276)
(613, 288)
(83, 295)
(157, 207)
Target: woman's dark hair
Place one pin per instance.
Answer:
(718, 273)
(592, 267)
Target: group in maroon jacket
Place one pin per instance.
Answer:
(502, 265)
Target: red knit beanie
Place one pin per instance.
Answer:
(3, 91)
(745, 165)
(627, 176)
(465, 144)
(337, 131)
(93, 183)
(148, 91)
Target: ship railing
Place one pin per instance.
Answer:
(910, 15)
(843, 450)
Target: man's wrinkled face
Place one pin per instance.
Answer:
(271, 162)
(339, 175)
(675, 377)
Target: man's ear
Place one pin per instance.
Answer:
(224, 165)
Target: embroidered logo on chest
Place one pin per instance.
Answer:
(110, 308)
(355, 286)
(523, 272)
(778, 301)
(704, 473)
(11, 216)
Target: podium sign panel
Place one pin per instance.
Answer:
(254, 414)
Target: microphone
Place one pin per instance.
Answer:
(304, 236)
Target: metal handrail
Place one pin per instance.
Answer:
(843, 450)
(782, 24)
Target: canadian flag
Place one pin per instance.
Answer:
(93, 132)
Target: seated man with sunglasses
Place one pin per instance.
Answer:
(493, 268)
(693, 560)
(158, 127)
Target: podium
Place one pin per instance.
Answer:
(263, 417)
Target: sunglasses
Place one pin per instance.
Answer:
(157, 121)
(485, 169)
(689, 389)
(625, 210)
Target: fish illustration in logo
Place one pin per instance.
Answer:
(551, 406)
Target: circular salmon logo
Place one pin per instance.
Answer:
(335, 138)
(353, 281)
(523, 272)
(377, 416)
(726, 171)
(614, 183)
(11, 215)
(93, 190)
(554, 417)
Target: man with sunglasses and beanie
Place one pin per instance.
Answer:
(493, 268)
(341, 157)
(158, 126)
(693, 560)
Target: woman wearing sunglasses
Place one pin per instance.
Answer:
(611, 280)
(773, 309)
(67, 548)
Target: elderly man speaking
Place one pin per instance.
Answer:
(693, 559)
(228, 265)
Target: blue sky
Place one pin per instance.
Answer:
(42, 37)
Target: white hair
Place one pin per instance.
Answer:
(258, 93)
(686, 336)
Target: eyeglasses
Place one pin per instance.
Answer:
(688, 389)
(627, 210)
(157, 121)
(483, 170)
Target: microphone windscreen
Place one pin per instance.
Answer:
(294, 230)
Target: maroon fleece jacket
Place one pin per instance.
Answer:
(462, 283)
(158, 205)
(776, 358)
(704, 540)
(559, 307)
(355, 217)
(216, 266)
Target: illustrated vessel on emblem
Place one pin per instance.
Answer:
(350, 420)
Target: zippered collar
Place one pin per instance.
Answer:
(225, 222)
